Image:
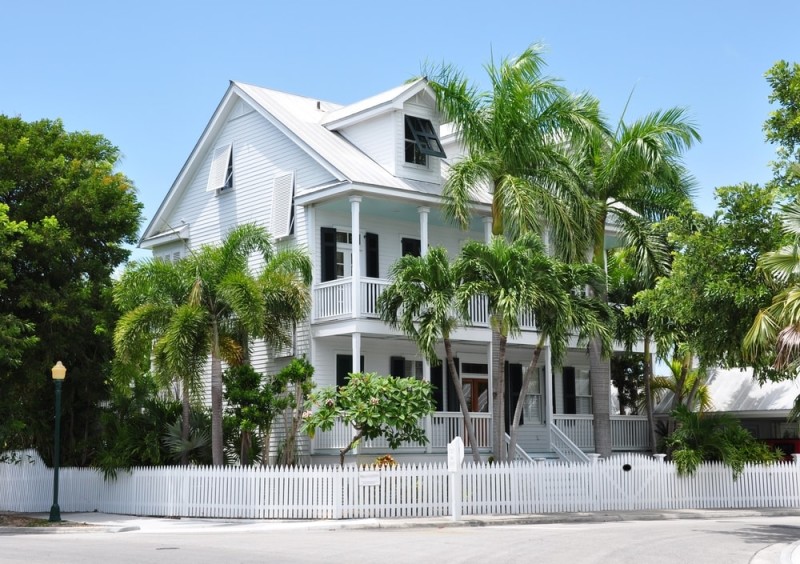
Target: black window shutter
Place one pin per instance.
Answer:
(513, 389)
(411, 247)
(328, 257)
(438, 386)
(452, 397)
(397, 366)
(371, 242)
(568, 380)
(344, 366)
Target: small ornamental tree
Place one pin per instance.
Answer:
(250, 407)
(376, 406)
(291, 386)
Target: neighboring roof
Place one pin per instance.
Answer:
(736, 391)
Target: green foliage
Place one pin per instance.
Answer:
(783, 126)
(65, 218)
(715, 289)
(210, 304)
(250, 408)
(702, 437)
(376, 406)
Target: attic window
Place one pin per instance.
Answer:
(421, 141)
(221, 175)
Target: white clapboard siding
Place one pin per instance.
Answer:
(620, 483)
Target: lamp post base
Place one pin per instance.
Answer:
(55, 514)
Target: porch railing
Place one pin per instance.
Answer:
(445, 426)
(628, 432)
(334, 300)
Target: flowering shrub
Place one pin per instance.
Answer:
(385, 461)
(376, 406)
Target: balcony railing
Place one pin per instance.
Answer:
(333, 300)
(628, 432)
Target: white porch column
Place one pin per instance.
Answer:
(356, 345)
(487, 229)
(355, 271)
(423, 229)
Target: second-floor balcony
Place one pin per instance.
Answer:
(334, 300)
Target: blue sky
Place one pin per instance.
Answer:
(148, 75)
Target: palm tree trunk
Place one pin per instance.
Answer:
(185, 422)
(217, 458)
(599, 367)
(600, 376)
(512, 443)
(498, 394)
(456, 378)
(244, 452)
(648, 393)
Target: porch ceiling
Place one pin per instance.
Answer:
(396, 210)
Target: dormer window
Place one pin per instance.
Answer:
(421, 141)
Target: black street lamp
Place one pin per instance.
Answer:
(59, 373)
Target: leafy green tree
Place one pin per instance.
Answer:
(78, 213)
(702, 437)
(291, 387)
(783, 126)
(222, 301)
(421, 302)
(376, 406)
(250, 406)
(630, 175)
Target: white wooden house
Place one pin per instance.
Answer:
(358, 186)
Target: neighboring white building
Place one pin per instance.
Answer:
(358, 186)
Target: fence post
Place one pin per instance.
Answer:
(455, 459)
(593, 458)
(338, 488)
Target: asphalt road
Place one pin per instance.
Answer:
(753, 540)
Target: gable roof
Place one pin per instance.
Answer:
(311, 123)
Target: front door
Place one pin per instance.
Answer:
(476, 393)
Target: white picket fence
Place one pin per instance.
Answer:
(624, 482)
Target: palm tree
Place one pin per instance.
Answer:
(513, 279)
(631, 175)
(632, 274)
(516, 138)
(220, 302)
(421, 302)
(152, 296)
(686, 384)
(567, 312)
(775, 333)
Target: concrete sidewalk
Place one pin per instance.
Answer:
(105, 522)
